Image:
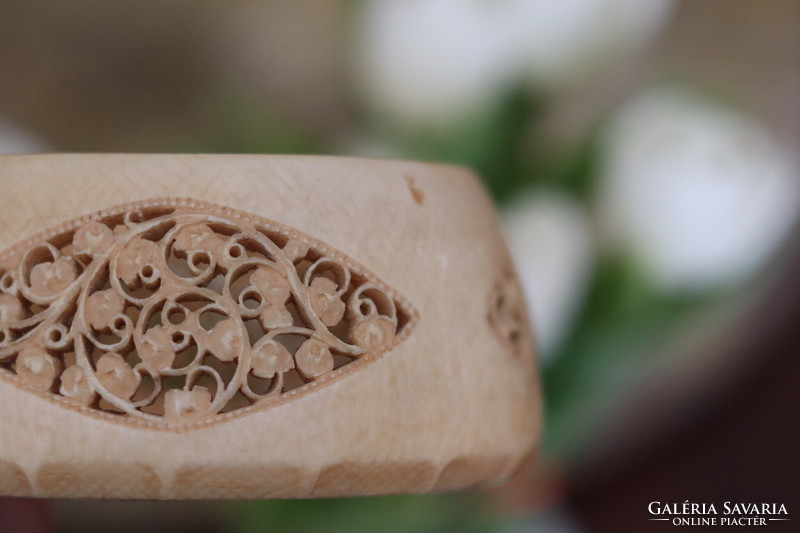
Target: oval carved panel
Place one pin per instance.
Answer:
(178, 313)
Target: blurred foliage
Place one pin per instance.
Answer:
(492, 143)
(233, 124)
(616, 334)
(505, 146)
(407, 514)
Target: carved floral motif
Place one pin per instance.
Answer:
(176, 312)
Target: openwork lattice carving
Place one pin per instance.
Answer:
(177, 313)
(507, 315)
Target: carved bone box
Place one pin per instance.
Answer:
(256, 327)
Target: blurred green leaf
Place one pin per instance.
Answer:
(492, 143)
(408, 514)
(620, 328)
(575, 169)
(234, 124)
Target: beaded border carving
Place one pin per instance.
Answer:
(177, 313)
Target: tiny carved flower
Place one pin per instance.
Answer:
(182, 405)
(136, 254)
(117, 376)
(92, 239)
(198, 237)
(276, 316)
(37, 367)
(328, 305)
(51, 278)
(75, 384)
(10, 309)
(156, 349)
(375, 332)
(314, 358)
(270, 358)
(294, 249)
(276, 291)
(102, 306)
(271, 284)
(225, 340)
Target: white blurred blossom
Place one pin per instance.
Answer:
(361, 144)
(560, 41)
(551, 244)
(699, 193)
(16, 140)
(431, 62)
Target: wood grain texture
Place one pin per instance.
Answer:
(453, 402)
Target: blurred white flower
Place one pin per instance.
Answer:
(432, 62)
(360, 144)
(562, 41)
(15, 140)
(551, 244)
(699, 193)
(429, 62)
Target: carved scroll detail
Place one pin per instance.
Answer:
(179, 313)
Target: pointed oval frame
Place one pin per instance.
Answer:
(10, 258)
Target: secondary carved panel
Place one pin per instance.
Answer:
(179, 313)
(507, 314)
